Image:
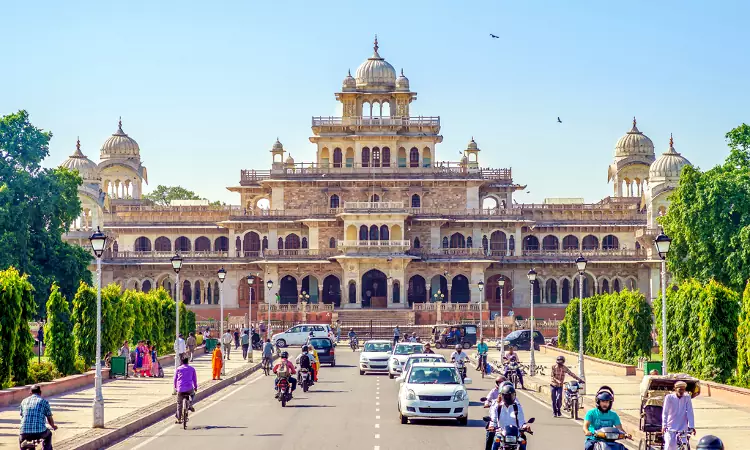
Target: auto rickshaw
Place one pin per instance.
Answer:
(466, 337)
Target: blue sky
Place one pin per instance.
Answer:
(205, 87)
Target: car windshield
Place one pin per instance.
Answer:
(514, 335)
(405, 349)
(378, 347)
(423, 360)
(434, 375)
(320, 343)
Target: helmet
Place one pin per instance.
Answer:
(305, 348)
(285, 355)
(604, 396)
(499, 380)
(351, 329)
(508, 394)
(458, 348)
(561, 359)
(710, 442)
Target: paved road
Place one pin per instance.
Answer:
(344, 410)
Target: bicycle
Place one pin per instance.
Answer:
(185, 410)
(683, 439)
(482, 363)
(266, 365)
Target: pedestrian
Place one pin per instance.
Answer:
(677, 415)
(245, 341)
(216, 363)
(138, 359)
(156, 368)
(179, 347)
(338, 330)
(191, 344)
(226, 341)
(263, 330)
(145, 349)
(557, 380)
(236, 339)
(125, 353)
(206, 335)
(396, 335)
(35, 413)
(40, 336)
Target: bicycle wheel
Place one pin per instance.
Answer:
(185, 406)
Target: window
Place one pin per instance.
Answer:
(332, 243)
(610, 242)
(469, 242)
(416, 242)
(414, 157)
(281, 243)
(375, 157)
(416, 201)
(304, 242)
(384, 235)
(365, 157)
(445, 242)
(337, 157)
(386, 157)
(374, 198)
(363, 233)
(374, 233)
(334, 201)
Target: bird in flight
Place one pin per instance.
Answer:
(494, 36)
(558, 120)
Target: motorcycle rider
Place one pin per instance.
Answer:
(495, 392)
(306, 360)
(460, 357)
(599, 417)
(290, 369)
(352, 336)
(677, 415)
(557, 381)
(508, 411)
(427, 349)
(509, 357)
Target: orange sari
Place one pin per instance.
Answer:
(216, 363)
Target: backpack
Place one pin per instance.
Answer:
(304, 361)
(283, 371)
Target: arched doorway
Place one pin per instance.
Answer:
(186, 292)
(416, 290)
(352, 292)
(439, 283)
(492, 292)
(460, 291)
(374, 289)
(396, 292)
(332, 290)
(251, 244)
(245, 292)
(288, 290)
(310, 286)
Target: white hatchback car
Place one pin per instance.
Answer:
(375, 355)
(401, 353)
(434, 391)
(419, 358)
(298, 335)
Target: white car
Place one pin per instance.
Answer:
(419, 358)
(434, 391)
(401, 353)
(298, 335)
(375, 355)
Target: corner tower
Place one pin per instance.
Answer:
(634, 153)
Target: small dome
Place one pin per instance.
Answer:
(634, 143)
(120, 145)
(472, 145)
(349, 83)
(87, 169)
(289, 159)
(402, 83)
(277, 147)
(669, 165)
(376, 72)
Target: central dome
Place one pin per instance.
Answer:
(120, 145)
(634, 143)
(376, 72)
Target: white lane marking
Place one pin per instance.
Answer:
(377, 403)
(377, 436)
(174, 425)
(377, 425)
(377, 417)
(377, 409)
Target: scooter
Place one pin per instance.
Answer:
(511, 369)
(606, 439)
(461, 369)
(572, 398)
(304, 379)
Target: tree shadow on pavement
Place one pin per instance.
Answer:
(310, 406)
(216, 427)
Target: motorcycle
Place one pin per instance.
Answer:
(285, 391)
(510, 437)
(354, 344)
(573, 396)
(304, 379)
(606, 439)
(461, 369)
(511, 369)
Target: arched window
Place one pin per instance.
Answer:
(616, 285)
(146, 286)
(221, 244)
(498, 243)
(363, 233)
(142, 244)
(281, 243)
(332, 243)
(570, 242)
(264, 244)
(512, 245)
(605, 287)
(550, 243)
(334, 201)
(374, 198)
(590, 242)
(386, 157)
(531, 243)
(414, 157)
(550, 291)
(457, 241)
(202, 244)
(292, 242)
(485, 243)
(304, 242)
(374, 233)
(375, 157)
(537, 292)
(365, 157)
(416, 201)
(610, 242)
(182, 244)
(469, 242)
(163, 244)
(337, 157)
(384, 234)
(445, 241)
(416, 242)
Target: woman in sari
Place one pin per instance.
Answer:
(137, 368)
(216, 363)
(154, 361)
(146, 359)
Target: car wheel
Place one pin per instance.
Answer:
(438, 345)
(467, 345)
(281, 343)
(404, 419)
(463, 420)
(361, 372)
(333, 363)
(390, 375)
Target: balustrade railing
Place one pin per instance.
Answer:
(373, 205)
(194, 254)
(392, 243)
(359, 121)
(298, 307)
(449, 307)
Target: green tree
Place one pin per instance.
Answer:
(84, 320)
(709, 219)
(743, 340)
(162, 195)
(37, 205)
(17, 308)
(59, 333)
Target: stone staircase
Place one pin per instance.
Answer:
(378, 323)
(397, 316)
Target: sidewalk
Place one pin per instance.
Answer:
(73, 414)
(730, 423)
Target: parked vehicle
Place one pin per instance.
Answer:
(521, 340)
(573, 399)
(326, 351)
(467, 340)
(299, 334)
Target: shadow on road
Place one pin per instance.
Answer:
(310, 406)
(473, 423)
(326, 391)
(216, 427)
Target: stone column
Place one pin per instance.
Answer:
(312, 237)
(435, 241)
(273, 239)
(448, 294)
(477, 275)
(232, 238)
(389, 292)
(518, 238)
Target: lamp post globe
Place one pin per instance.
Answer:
(581, 264)
(662, 243)
(98, 242)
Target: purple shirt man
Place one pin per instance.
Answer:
(185, 379)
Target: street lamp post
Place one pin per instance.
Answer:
(480, 285)
(581, 265)
(176, 261)
(501, 284)
(250, 284)
(269, 284)
(532, 362)
(663, 243)
(439, 296)
(98, 242)
(222, 274)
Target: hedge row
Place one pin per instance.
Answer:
(616, 327)
(702, 326)
(17, 308)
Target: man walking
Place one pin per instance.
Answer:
(35, 413)
(245, 340)
(677, 415)
(179, 347)
(396, 335)
(338, 331)
(236, 339)
(191, 344)
(557, 381)
(226, 341)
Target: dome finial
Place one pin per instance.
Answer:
(671, 142)
(119, 124)
(634, 122)
(349, 72)
(376, 44)
(78, 143)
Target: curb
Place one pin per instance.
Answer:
(122, 427)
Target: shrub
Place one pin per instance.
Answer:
(743, 341)
(42, 372)
(59, 333)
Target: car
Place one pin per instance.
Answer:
(375, 355)
(298, 335)
(401, 353)
(419, 358)
(520, 340)
(326, 352)
(467, 340)
(433, 390)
